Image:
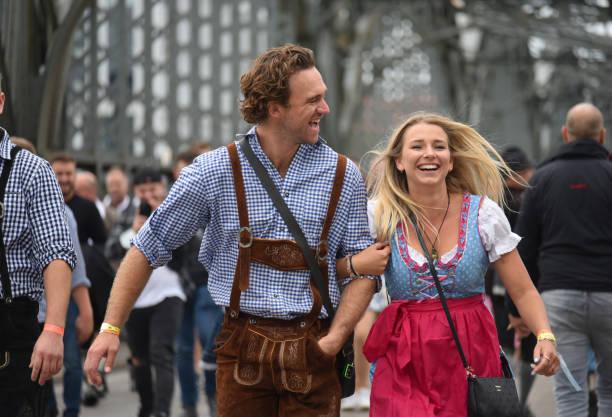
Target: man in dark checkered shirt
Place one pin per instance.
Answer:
(39, 256)
(276, 350)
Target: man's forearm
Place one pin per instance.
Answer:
(355, 299)
(131, 278)
(56, 278)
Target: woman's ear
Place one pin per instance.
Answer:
(399, 165)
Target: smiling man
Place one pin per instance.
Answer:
(276, 350)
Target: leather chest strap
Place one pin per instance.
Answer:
(245, 237)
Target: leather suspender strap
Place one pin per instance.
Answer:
(4, 277)
(323, 247)
(245, 237)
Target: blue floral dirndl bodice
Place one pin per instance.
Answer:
(461, 276)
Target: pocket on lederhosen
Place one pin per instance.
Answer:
(295, 373)
(248, 369)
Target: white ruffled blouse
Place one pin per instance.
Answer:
(495, 233)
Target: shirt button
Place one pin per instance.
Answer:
(286, 194)
(275, 296)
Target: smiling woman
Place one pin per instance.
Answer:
(448, 179)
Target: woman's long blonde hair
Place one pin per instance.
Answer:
(477, 169)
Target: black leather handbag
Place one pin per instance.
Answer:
(487, 397)
(345, 366)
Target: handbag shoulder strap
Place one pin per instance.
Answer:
(291, 223)
(434, 274)
(4, 274)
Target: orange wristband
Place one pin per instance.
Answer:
(53, 329)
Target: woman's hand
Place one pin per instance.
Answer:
(545, 358)
(372, 260)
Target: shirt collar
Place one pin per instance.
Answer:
(252, 133)
(5, 145)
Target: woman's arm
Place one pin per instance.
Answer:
(84, 322)
(527, 299)
(370, 261)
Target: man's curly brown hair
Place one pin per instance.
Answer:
(268, 79)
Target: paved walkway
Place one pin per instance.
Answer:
(121, 402)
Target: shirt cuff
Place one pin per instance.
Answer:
(151, 247)
(65, 255)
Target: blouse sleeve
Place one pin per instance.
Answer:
(371, 207)
(495, 232)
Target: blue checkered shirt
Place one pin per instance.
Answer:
(204, 197)
(34, 226)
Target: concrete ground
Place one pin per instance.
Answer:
(121, 402)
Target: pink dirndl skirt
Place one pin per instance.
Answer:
(418, 368)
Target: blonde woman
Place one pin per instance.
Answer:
(450, 178)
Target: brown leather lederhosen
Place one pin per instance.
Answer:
(281, 254)
(274, 367)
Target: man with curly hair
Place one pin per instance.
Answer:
(276, 349)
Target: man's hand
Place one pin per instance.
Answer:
(330, 344)
(519, 326)
(84, 327)
(47, 357)
(106, 345)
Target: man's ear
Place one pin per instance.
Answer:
(1, 102)
(565, 134)
(274, 109)
(602, 136)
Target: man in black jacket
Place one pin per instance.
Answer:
(566, 221)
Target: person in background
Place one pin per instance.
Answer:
(361, 399)
(38, 257)
(86, 186)
(567, 248)
(90, 223)
(200, 312)
(92, 237)
(517, 161)
(79, 328)
(120, 210)
(154, 322)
